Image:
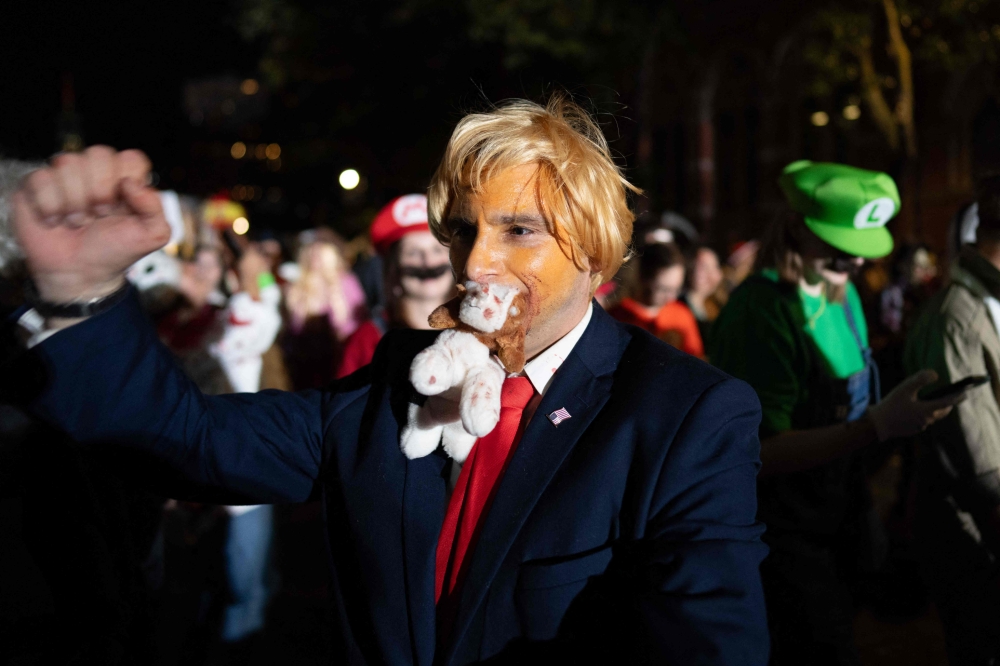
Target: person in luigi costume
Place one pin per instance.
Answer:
(795, 331)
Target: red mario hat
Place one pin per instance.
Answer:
(400, 216)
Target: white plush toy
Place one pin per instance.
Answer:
(460, 373)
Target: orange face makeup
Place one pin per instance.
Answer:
(500, 235)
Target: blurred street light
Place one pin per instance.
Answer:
(249, 87)
(240, 226)
(238, 150)
(273, 151)
(852, 112)
(820, 119)
(349, 179)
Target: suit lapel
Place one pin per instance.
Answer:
(582, 386)
(424, 500)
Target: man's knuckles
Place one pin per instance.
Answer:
(134, 164)
(43, 193)
(70, 175)
(102, 176)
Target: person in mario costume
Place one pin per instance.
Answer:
(610, 515)
(416, 277)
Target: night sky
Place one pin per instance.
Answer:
(385, 94)
(128, 62)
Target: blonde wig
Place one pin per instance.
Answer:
(319, 290)
(588, 212)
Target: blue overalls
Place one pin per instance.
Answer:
(817, 523)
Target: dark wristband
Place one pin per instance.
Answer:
(76, 309)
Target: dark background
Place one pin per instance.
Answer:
(703, 102)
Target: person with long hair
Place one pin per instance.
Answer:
(417, 277)
(796, 332)
(706, 293)
(325, 306)
(656, 306)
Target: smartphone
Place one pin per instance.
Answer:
(956, 388)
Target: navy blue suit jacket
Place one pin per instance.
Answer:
(627, 534)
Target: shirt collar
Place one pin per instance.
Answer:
(541, 369)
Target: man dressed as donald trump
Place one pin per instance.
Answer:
(608, 516)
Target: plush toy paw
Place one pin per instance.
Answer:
(431, 372)
(480, 403)
(457, 442)
(445, 363)
(421, 435)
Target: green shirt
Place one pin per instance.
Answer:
(770, 335)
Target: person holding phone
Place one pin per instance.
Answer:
(796, 332)
(958, 494)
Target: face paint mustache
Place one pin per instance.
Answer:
(420, 273)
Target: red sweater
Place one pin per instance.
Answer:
(674, 323)
(359, 348)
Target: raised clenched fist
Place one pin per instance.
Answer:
(82, 221)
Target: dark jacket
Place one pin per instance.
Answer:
(626, 534)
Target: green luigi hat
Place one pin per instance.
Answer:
(844, 206)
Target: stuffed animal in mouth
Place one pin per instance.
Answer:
(459, 372)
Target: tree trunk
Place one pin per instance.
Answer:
(871, 89)
(909, 226)
(904, 62)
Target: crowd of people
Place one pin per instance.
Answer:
(240, 314)
(805, 315)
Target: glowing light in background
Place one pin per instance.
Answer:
(238, 150)
(273, 151)
(249, 87)
(820, 119)
(240, 226)
(852, 112)
(349, 179)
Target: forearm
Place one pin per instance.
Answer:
(799, 450)
(111, 381)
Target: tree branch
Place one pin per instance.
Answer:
(871, 88)
(904, 62)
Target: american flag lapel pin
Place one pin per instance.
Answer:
(559, 416)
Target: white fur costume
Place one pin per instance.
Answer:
(155, 269)
(250, 329)
(461, 379)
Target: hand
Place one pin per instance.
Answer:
(903, 414)
(82, 221)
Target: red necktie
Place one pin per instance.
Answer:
(473, 493)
